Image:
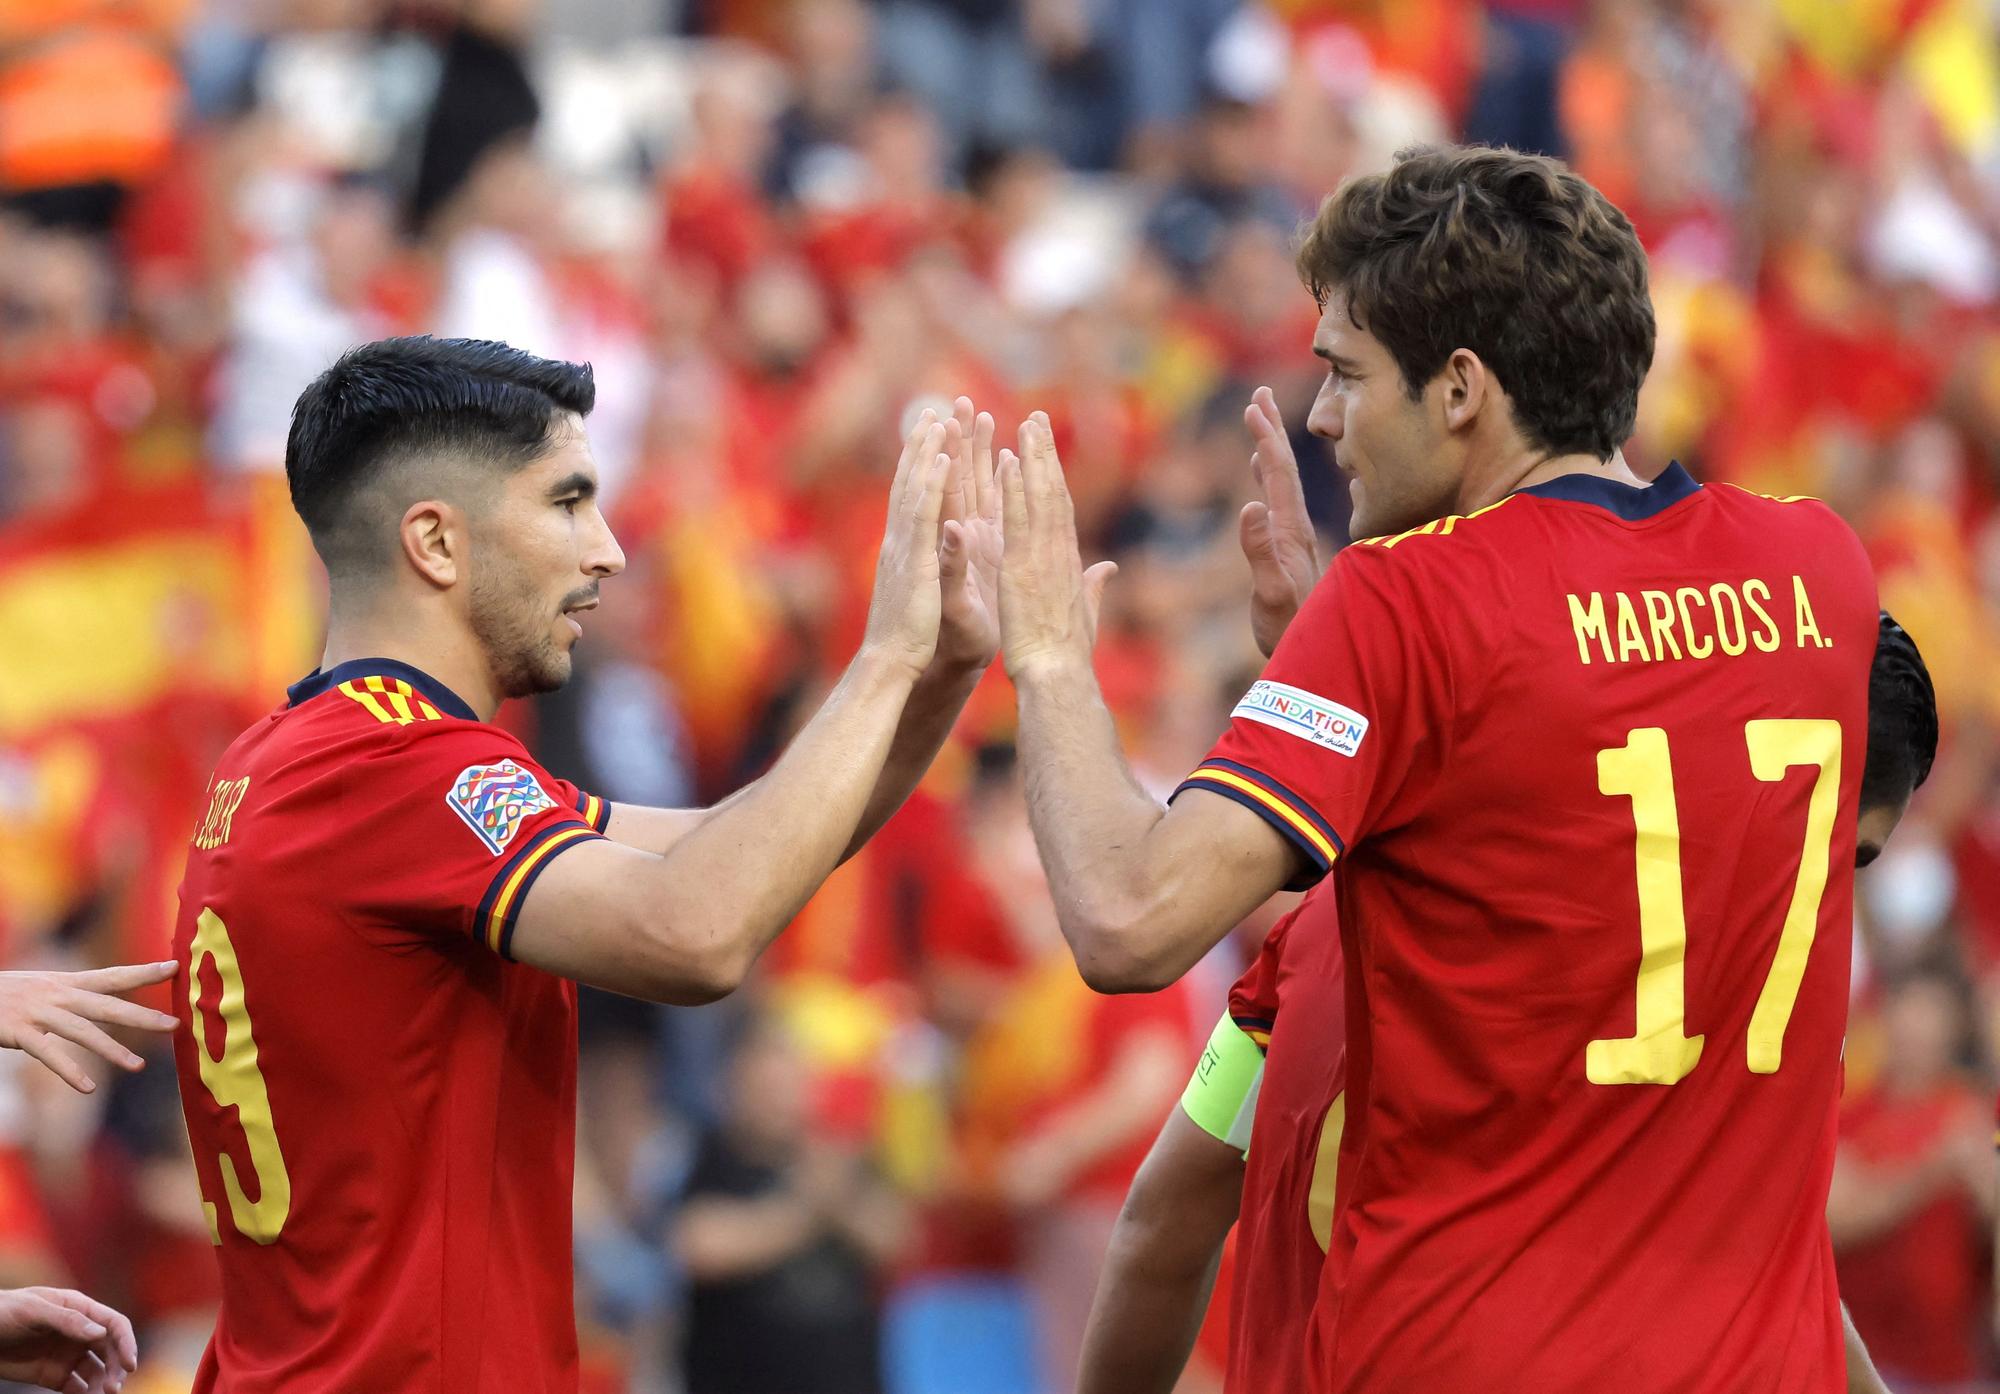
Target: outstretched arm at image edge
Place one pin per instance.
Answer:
(1160, 1268)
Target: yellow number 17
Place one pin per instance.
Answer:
(1659, 1051)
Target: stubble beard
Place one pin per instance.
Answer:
(522, 655)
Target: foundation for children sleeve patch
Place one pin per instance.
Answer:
(1307, 715)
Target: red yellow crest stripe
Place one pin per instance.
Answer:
(389, 700)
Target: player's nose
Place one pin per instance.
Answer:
(1325, 418)
(604, 557)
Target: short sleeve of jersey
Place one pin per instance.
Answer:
(1253, 1000)
(464, 821)
(1350, 714)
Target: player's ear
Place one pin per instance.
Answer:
(1466, 389)
(433, 541)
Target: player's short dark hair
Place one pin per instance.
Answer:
(398, 400)
(1509, 255)
(1902, 718)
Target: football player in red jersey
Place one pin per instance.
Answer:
(1253, 1141)
(387, 903)
(1588, 750)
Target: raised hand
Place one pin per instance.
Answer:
(1276, 533)
(970, 546)
(62, 1340)
(35, 1008)
(905, 610)
(1048, 602)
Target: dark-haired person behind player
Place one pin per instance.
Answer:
(1251, 1143)
(387, 902)
(1587, 752)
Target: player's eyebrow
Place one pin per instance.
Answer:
(576, 482)
(1332, 358)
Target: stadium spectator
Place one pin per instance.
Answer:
(784, 1239)
(1913, 1189)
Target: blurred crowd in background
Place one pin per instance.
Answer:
(778, 229)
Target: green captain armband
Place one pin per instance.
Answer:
(1221, 1096)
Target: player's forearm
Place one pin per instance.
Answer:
(1862, 1376)
(741, 876)
(928, 716)
(1160, 1266)
(932, 710)
(1092, 823)
(1144, 1323)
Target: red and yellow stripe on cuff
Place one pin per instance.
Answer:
(595, 811)
(1279, 806)
(502, 902)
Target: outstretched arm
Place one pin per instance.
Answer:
(968, 639)
(686, 925)
(1142, 891)
(1160, 1267)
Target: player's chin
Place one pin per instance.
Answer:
(551, 668)
(1360, 512)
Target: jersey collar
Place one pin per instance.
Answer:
(439, 696)
(1673, 485)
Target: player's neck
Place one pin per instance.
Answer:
(1524, 468)
(451, 658)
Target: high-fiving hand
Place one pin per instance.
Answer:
(970, 545)
(1276, 533)
(36, 1008)
(907, 605)
(1048, 602)
(62, 1340)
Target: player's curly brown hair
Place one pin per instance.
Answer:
(1509, 255)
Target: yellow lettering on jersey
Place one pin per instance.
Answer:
(1681, 598)
(1631, 641)
(1589, 624)
(1776, 746)
(1660, 619)
(224, 798)
(1731, 645)
(234, 1080)
(1659, 1050)
(1737, 616)
(1766, 637)
(1802, 616)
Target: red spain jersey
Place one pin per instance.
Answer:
(381, 1102)
(1290, 1001)
(1589, 760)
